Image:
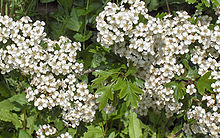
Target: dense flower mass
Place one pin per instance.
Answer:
(48, 130)
(45, 131)
(157, 47)
(52, 67)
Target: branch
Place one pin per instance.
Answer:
(178, 133)
(88, 71)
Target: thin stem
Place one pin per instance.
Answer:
(84, 34)
(168, 8)
(6, 8)
(178, 133)
(119, 129)
(1, 6)
(24, 127)
(106, 122)
(88, 71)
(12, 8)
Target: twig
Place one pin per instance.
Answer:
(178, 133)
(168, 8)
(88, 71)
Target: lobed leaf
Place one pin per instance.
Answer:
(94, 132)
(73, 23)
(23, 134)
(204, 83)
(106, 93)
(6, 115)
(129, 91)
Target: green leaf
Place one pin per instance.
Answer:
(216, 2)
(46, 1)
(31, 122)
(6, 115)
(139, 82)
(19, 101)
(103, 75)
(191, 1)
(117, 86)
(9, 104)
(154, 4)
(59, 124)
(72, 131)
(112, 135)
(73, 23)
(131, 71)
(106, 93)
(147, 1)
(4, 91)
(206, 2)
(178, 89)
(6, 105)
(186, 64)
(192, 74)
(134, 126)
(98, 58)
(79, 37)
(23, 134)
(129, 91)
(204, 83)
(19, 98)
(66, 4)
(154, 135)
(93, 132)
(154, 117)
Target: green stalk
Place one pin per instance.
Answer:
(29, 7)
(84, 34)
(24, 127)
(12, 9)
(1, 6)
(119, 129)
(106, 125)
(6, 8)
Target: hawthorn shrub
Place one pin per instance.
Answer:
(110, 69)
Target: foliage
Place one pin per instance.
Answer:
(112, 78)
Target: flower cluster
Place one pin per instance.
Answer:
(217, 10)
(51, 65)
(48, 130)
(66, 135)
(109, 109)
(208, 122)
(156, 46)
(45, 130)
